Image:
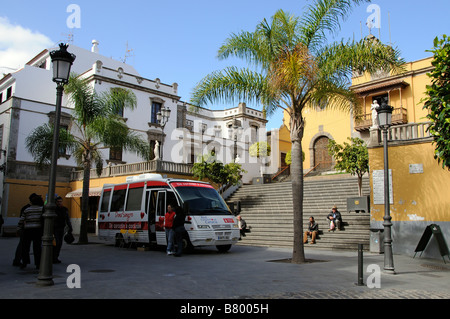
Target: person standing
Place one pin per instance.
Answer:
(178, 227)
(168, 226)
(18, 255)
(61, 220)
(32, 223)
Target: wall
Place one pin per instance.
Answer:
(332, 123)
(419, 199)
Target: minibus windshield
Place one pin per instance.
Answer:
(203, 201)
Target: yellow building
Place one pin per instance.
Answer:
(403, 92)
(418, 183)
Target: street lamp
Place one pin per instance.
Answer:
(162, 117)
(384, 122)
(62, 62)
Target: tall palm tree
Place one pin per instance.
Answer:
(97, 125)
(292, 66)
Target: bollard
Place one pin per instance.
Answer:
(360, 265)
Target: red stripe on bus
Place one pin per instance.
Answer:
(137, 185)
(192, 184)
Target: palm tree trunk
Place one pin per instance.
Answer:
(360, 184)
(85, 204)
(297, 126)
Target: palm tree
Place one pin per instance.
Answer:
(293, 67)
(98, 125)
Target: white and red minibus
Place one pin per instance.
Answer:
(134, 212)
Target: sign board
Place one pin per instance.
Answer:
(378, 187)
(416, 168)
(435, 230)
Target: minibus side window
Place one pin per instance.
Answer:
(134, 199)
(171, 199)
(118, 200)
(105, 201)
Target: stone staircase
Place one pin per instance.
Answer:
(267, 208)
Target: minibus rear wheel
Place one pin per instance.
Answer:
(223, 248)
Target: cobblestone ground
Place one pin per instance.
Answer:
(346, 294)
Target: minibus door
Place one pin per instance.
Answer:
(160, 212)
(152, 196)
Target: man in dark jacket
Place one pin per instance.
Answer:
(61, 220)
(313, 230)
(178, 227)
(335, 217)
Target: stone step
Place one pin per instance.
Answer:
(267, 209)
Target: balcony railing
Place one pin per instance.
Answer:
(364, 121)
(155, 166)
(411, 131)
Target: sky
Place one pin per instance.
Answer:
(177, 40)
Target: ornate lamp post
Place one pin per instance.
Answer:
(62, 62)
(162, 117)
(384, 121)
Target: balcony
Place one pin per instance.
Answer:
(364, 122)
(154, 166)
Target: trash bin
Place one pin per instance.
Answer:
(376, 240)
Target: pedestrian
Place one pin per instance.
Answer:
(62, 220)
(178, 227)
(18, 255)
(335, 219)
(32, 223)
(242, 226)
(168, 226)
(313, 230)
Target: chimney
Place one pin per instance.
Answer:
(94, 46)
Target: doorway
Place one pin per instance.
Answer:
(323, 161)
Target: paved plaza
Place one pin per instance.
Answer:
(245, 272)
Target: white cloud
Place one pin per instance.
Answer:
(18, 45)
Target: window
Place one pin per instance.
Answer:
(105, 201)
(117, 102)
(190, 125)
(8, 92)
(118, 200)
(134, 198)
(381, 98)
(254, 133)
(115, 154)
(62, 150)
(156, 107)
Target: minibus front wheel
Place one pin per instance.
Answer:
(187, 245)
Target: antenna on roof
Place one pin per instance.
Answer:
(128, 53)
(69, 36)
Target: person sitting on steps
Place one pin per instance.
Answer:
(335, 219)
(313, 230)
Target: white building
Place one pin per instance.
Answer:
(27, 100)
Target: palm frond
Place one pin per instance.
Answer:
(230, 86)
(40, 143)
(322, 17)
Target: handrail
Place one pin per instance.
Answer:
(280, 172)
(312, 169)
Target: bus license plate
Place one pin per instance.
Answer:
(223, 236)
